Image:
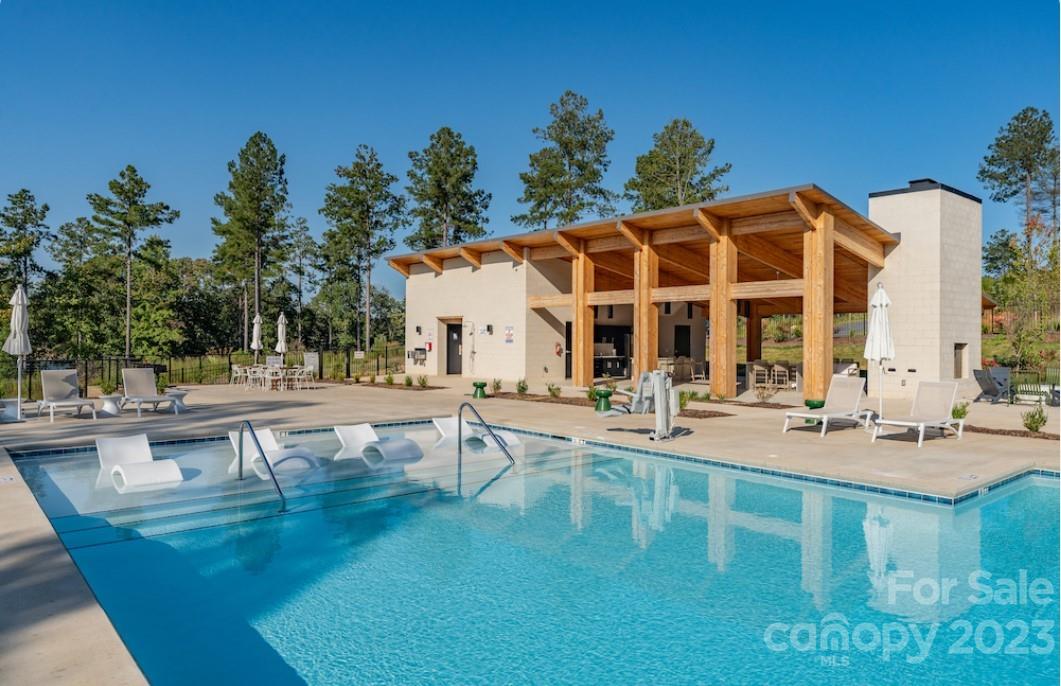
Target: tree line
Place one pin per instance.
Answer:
(1021, 267)
(117, 289)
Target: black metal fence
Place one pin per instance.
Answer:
(106, 372)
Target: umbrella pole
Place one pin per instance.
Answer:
(880, 389)
(19, 389)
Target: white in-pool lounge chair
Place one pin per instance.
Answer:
(361, 441)
(933, 404)
(59, 388)
(141, 389)
(447, 426)
(128, 461)
(841, 403)
(281, 459)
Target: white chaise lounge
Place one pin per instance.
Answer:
(447, 426)
(59, 388)
(841, 403)
(141, 389)
(131, 468)
(280, 458)
(932, 408)
(361, 441)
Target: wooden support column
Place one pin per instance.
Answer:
(582, 317)
(646, 312)
(755, 333)
(818, 308)
(723, 313)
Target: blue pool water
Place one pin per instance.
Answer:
(581, 565)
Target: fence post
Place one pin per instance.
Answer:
(320, 363)
(348, 362)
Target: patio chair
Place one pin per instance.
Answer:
(699, 371)
(280, 458)
(781, 373)
(758, 374)
(841, 403)
(1031, 392)
(933, 404)
(990, 389)
(128, 463)
(361, 441)
(59, 387)
(238, 374)
(140, 388)
(447, 426)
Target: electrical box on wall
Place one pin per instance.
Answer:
(490, 329)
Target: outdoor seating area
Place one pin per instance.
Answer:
(274, 375)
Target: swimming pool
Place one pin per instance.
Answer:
(581, 564)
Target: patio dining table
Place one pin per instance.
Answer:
(273, 377)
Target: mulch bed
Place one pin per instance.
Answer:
(1016, 433)
(400, 387)
(765, 406)
(586, 402)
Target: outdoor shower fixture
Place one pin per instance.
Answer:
(471, 334)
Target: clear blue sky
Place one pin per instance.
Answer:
(854, 96)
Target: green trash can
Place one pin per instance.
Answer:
(604, 402)
(480, 389)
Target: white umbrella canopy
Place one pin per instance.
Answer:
(281, 334)
(879, 343)
(17, 342)
(256, 336)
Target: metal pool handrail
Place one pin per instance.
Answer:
(272, 475)
(460, 431)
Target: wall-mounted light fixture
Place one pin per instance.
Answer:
(418, 330)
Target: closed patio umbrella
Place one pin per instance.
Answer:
(281, 334)
(256, 336)
(879, 343)
(17, 342)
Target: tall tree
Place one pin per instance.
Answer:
(448, 208)
(22, 229)
(121, 217)
(675, 171)
(254, 228)
(363, 213)
(565, 179)
(301, 260)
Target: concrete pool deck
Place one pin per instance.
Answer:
(53, 631)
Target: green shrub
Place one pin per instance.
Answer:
(160, 384)
(372, 378)
(408, 381)
(521, 386)
(389, 379)
(591, 393)
(108, 386)
(495, 386)
(421, 381)
(763, 393)
(960, 411)
(554, 390)
(610, 384)
(684, 397)
(1034, 419)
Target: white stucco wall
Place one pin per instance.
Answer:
(933, 280)
(545, 328)
(494, 295)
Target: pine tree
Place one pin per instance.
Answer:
(565, 179)
(448, 208)
(302, 257)
(363, 213)
(254, 229)
(22, 230)
(121, 217)
(675, 171)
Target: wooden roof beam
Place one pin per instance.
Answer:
(683, 261)
(765, 252)
(623, 265)
(573, 246)
(513, 251)
(473, 257)
(851, 240)
(631, 233)
(712, 225)
(399, 267)
(434, 262)
(807, 210)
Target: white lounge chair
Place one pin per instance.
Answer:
(361, 441)
(447, 426)
(59, 388)
(932, 407)
(141, 388)
(280, 458)
(841, 403)
(131, 468)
